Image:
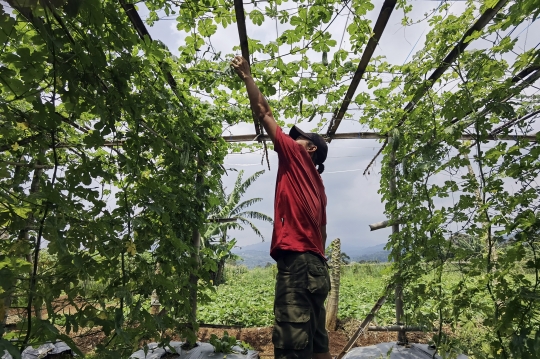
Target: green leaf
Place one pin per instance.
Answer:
(257, 17)
(22, 212)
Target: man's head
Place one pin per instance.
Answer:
(314, 144)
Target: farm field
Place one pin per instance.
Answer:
(243, 307)
(246, 298)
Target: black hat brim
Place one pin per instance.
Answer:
(295, 132)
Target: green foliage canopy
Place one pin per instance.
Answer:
(87, 112)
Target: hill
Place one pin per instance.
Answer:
(258, 254)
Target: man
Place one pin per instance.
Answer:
(299, 235)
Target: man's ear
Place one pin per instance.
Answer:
(312, 149)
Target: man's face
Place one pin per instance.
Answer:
(307, 144)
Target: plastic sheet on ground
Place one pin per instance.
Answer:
(394, 351)
(42, 351)
(201, 351)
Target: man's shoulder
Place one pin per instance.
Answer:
(284, 144)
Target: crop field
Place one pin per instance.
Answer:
(246, 298)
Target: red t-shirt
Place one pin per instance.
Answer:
(300, 201)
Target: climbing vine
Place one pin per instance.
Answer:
(467, 206)
(106, 138)
(99, 157)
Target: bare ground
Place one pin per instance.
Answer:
(259, 338)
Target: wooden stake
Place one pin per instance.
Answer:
(335, 274)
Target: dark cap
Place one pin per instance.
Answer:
(318, 140)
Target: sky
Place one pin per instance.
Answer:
(353, 199)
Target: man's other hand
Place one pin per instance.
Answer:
(241, 67)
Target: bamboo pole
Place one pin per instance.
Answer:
(362, 327)
(380, 24)
(397, 328)
(333, 299)
(363, 136)
(196, 243)
(402, 337)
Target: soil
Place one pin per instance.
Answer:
(61, 306)
(260, 339)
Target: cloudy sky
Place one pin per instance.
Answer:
(353, 199)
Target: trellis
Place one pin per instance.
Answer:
(527, 77)
(39, 23)
(524, 79)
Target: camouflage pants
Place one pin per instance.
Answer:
(302, 285)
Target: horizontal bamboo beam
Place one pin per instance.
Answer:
(222, 220)
(379, 225)
(30, 165)
(386, 10)
(264, 137)
(376, 136)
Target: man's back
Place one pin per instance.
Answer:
(300, 200)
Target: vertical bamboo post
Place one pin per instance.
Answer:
(333, 298)
(5, 306)
(196, 243)
(155, 305)
(194, 278)
(402, 337)
(24, 234)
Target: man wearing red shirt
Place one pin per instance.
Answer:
(299, 235)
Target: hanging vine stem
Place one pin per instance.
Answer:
(488, 232)
(482, 192)
(375, 157)
(33, 277)
(123, 264)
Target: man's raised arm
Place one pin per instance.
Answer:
(259, 105)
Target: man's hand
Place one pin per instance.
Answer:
(259, 105)
(241, 67)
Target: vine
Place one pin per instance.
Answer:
(104, 132)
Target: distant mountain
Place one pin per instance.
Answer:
(258, 254)
(257, 247)
(380, 256)
(254, 255)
